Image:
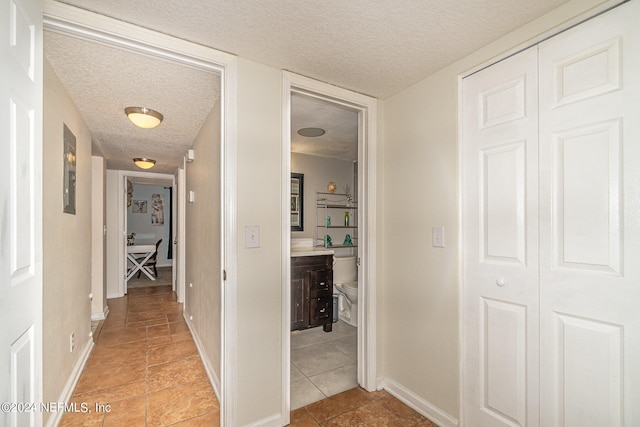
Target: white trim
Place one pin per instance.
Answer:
(461, 329)
(367, 156)
(67, 19)
(100, 315)
(80, 23)
(424, 407)
(286, 250)
(208, 366)
(122, 220)
(272, 421)
(181, 209)
(229, 312)
(71, 383)
(570, 23)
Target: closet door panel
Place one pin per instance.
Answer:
(590, 222)
(500, 296)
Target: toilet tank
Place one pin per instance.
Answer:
(344, 269)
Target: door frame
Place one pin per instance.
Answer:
(123, 176)
(367, 161)
(70, 20)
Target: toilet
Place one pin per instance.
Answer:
(345, 281)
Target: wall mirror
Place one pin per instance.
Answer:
(297, 205)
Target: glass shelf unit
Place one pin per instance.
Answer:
(332, 209)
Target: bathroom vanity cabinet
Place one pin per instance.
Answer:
(312, 292)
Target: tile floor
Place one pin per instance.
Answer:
(322, 363)
(357, 407)
(146, 367)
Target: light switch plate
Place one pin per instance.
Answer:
(437, 236)
(252, 236)
(192, 196)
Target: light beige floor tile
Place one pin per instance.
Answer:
(318, 358)
(304, 392)
(336, 380)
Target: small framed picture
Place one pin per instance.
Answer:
(139, 206)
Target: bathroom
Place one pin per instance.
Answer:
(324, 202)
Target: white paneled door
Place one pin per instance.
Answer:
(590, 223)
(21, 211)
(551, 202)
(500, 162)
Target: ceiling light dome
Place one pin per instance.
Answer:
(144, 163)
(143, 117)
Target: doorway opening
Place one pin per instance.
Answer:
(150, 222)
(81, 24)
(331, 212)
(324, 223)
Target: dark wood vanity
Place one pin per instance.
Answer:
(312, 292)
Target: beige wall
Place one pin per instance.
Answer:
(420, 156)
(202, 249)
(66, 244)
(259, 270)
(98, 238)
(318, 171)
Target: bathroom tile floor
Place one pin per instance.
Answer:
(323, 364)
(145, 367)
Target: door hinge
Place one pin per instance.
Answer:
(224, 274)
(358, 261)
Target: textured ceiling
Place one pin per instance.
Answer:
(340, 140)
(376, 47)
(102, 81)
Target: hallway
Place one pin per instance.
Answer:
(145, 367)
(145, 371)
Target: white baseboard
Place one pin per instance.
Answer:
(428, 409)
(272, 421)
(70, 386)
(208, 366)
(100, 315)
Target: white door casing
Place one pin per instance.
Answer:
(500, 303)
(587, 283)
(21, 210)
(590, 222)
(367, 154)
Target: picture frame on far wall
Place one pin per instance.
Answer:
(139, 206)
(69, 172)
(297, 202)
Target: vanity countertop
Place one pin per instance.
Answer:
(311, 251)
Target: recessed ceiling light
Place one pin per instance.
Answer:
(143, 117)
(311, 132)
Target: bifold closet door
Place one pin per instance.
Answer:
(551, 157)
(500, 211)
(590, 223)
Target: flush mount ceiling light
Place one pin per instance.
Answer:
(143, 117)
(311, 132)
(144, 163)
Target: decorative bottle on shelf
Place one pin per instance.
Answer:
(346, 219)
(328, 220)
